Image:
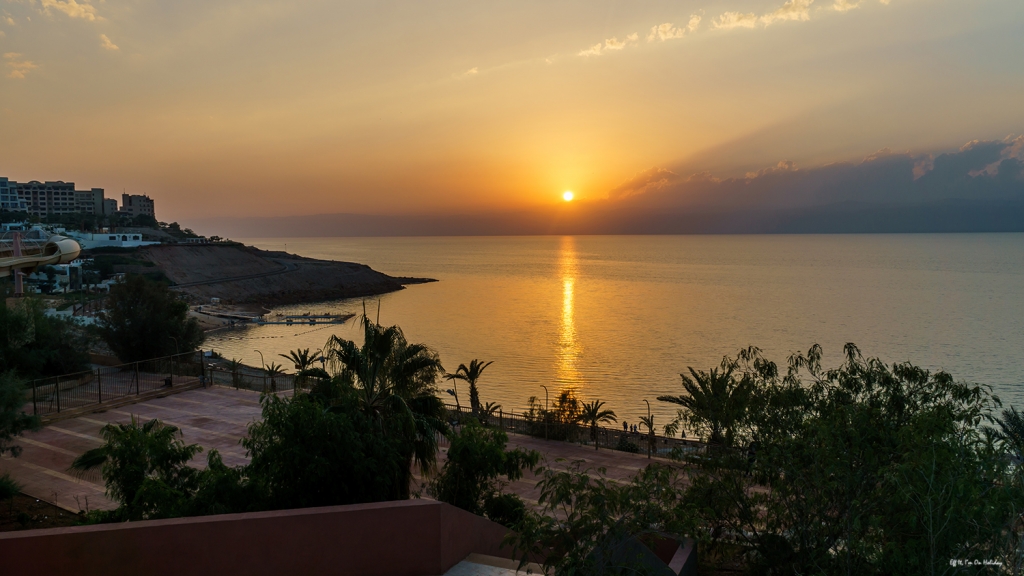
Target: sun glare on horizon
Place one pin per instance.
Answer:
(568, 195)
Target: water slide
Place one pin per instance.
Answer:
(18, 254)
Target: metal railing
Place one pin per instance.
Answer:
(247, 379)
(609, 438)
(72, 391)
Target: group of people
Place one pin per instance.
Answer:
(631, 428)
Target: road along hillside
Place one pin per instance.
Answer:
(245, 275)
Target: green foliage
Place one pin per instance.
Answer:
(862, 469)
(145, 469)
(35, 345)
(9, 488)
(12, 420)
(303, 453)
(146, 320)
(395, 382)
(625, 445)
(587, 523)
(713, 404)
(558, 422)
(478, 467)
(306, 455)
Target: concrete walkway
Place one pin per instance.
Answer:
(213, 418)
(218, 418)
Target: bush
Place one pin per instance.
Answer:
(12, 420)
(625, 445)
(478, 467)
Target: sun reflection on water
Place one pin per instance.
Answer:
(569, 348)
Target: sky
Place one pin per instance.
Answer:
(265, 108)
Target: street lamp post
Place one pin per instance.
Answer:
(546, 411)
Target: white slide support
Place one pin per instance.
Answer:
(56, 250)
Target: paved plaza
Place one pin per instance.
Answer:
(217, 418)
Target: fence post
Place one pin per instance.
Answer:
(56, 387)
(35, 411)
(99, 385)
(136, 379)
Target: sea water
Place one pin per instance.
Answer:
(618, 318)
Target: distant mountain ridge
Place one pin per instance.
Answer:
(978, 188)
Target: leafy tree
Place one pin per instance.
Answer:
(12, 420)
(1010, 433)
(306, 455)
(35, 345)
(471, 374)
(477, 468)
(235, 368)
(866, 468)
(590, 525)
(594, 414)
(145, 319)
(396, 385)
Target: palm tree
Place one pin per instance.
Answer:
(471, 374)
(714, 401)
(273, 370)
(235, 367)
(648, 421)
(301, 358)
(594, 414)
(396, 383)
(1011, 432)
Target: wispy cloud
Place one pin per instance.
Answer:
(796, 10)
(18, 67)
(612, 43)
(72, 8)
(729, 20)
(845, 5)
(106, 43)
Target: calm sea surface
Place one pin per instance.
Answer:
(619, 317)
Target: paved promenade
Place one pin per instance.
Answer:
(217, 418)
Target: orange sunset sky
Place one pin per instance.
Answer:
(256, 108)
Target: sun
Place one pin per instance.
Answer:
(568, 195)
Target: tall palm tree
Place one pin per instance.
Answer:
(396, 383)
(594, 414)
(471, 374)
(714, 401)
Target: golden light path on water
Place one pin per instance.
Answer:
(569, 348)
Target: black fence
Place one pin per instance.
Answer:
(245, 378)
(611, 438)
(72, 391)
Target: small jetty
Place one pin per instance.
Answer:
(307, 318)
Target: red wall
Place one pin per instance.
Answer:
(414, 538)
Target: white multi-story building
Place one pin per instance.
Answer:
(53, 198)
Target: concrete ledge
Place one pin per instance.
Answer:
(405, 538)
